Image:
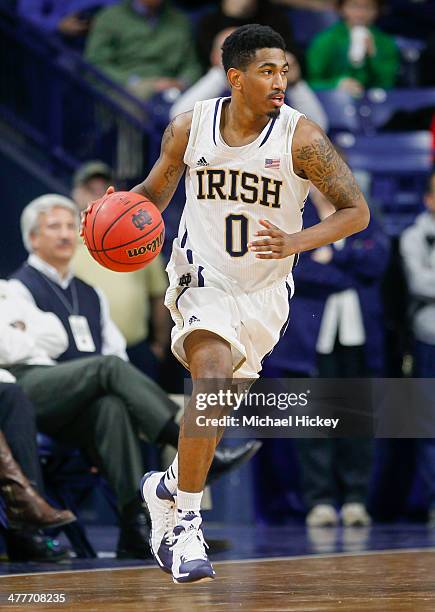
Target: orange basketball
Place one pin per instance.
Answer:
(123, 231)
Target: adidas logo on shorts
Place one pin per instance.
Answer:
(202, 162)
(193, 319)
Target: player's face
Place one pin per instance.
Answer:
(56, 238)
(264, 82)
(359, 12)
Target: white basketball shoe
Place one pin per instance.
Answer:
(162, 509)
(190, 562)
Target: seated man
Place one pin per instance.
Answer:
(20, 480)
(94, 399)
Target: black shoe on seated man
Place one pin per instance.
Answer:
(134, 534)
(33, 546)
(227, 459)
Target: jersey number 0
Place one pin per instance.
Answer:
(236, 235)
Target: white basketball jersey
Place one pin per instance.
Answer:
(228, 191)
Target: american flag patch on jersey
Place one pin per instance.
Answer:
(271, 163)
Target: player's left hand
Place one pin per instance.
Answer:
(273, 243)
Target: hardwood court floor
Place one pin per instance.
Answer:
(401, 581)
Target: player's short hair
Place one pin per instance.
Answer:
(29, 220)
(239, 47)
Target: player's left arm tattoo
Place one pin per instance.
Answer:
(323, 166)
(316, 159)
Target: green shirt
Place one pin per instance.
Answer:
(328, 63)
(124, 43)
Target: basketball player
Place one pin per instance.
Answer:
(249, 160)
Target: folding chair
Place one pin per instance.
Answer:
(342, 110)
(380, 105)
(399, 164)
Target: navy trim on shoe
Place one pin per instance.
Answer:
(195, 571)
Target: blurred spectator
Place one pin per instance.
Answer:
(20, 473)
(139, 293)
(69, 18)
(90, 182)
(417, 246)
(145, 45)
(214, 84)
(356, 264)
(353, 54)
(339, 334)
(235, 13)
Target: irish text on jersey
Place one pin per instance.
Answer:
(237, 186)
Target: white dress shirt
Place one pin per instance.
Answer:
(113, 342)
(27, 335)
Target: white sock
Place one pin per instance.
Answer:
(188, 502)
(170, 478)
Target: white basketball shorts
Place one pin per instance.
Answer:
(201, 299)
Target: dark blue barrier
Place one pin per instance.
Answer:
(64, 110)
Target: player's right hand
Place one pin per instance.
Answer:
(87, 210)
(83, 216)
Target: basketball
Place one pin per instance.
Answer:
(123, 231)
